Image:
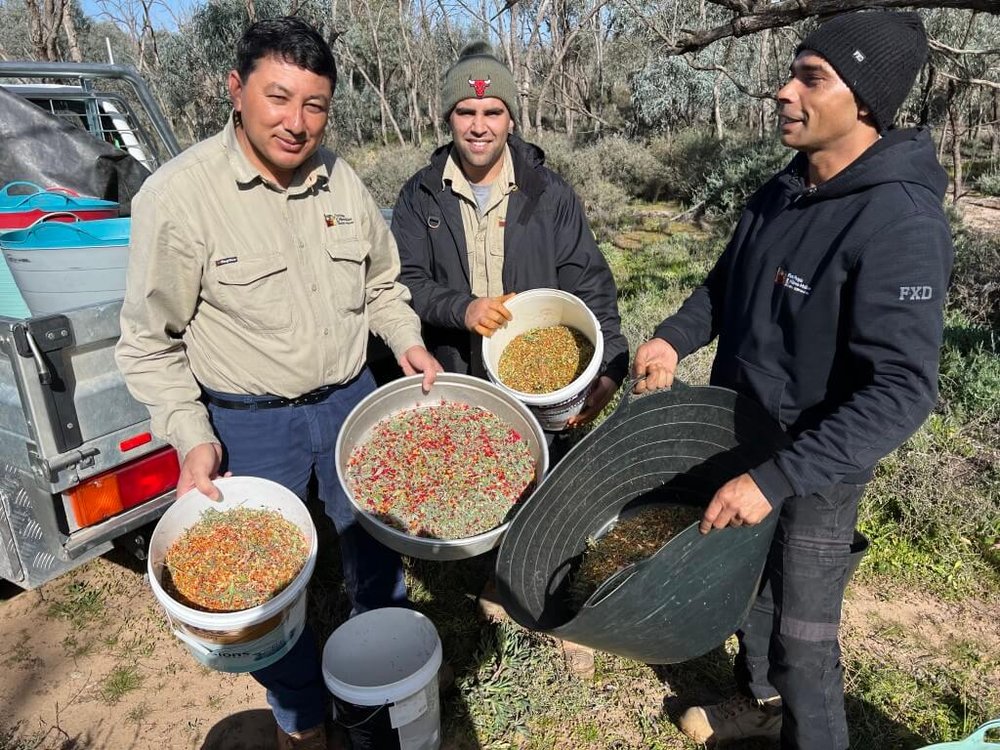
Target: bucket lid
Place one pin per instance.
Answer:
(675, 446)
(381, 656)
(57, 235)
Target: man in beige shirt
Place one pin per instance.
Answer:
(258, 264)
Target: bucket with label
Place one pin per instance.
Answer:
(542, 308)
(249, 639)
(381, 667)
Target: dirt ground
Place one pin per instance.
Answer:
(110, 676)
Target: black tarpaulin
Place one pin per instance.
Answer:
(40, 148)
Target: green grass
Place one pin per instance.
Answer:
(123, 679)
(80, 605)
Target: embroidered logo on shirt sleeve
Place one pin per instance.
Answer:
(226, 261)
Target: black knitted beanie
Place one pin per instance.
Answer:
(878, 55)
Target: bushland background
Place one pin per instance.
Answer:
(661, 114)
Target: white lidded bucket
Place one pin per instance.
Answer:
(249, 639)
(381, 667)
(541, 308)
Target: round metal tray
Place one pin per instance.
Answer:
(406, 393)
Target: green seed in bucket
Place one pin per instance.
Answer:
(445, 471)
(234, 559)
(543, 360)
(630, 540)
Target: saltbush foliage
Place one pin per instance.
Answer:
(989, 182)
(385, 170)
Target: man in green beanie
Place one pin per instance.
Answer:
(486, 219)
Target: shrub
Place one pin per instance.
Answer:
(606, 205)
(385, 169)
(975, 289)
(989, 182)
(628, 164)
(719, 175)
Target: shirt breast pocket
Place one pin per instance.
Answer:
(347, 274)
(255, 291)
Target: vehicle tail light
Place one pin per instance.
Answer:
(124, 487)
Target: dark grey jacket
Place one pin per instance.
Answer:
(828, 305)
(547, 243)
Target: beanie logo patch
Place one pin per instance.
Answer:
(480, 85)
(858, 55)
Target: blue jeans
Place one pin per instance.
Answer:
(287, 445)
(788, 644)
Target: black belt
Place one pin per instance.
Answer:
(247, 403)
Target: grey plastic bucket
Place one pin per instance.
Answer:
(675, 446)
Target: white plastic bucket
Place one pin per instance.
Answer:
(541, 308)
(381, 667)
(249, 639)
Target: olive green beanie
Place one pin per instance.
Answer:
(478, 74)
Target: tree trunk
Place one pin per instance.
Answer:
(69, 27)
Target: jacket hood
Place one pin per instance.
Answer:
(899, 156)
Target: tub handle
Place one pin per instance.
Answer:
(45, 217)
(5, 191)
(980, 734)
(27, 200)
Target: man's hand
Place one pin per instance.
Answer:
(738, 502)
(656, 361)
(600, 394)
(200, 467)
(418, 359)
(484, 315)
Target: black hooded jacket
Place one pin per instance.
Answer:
(547, 243)
(828, 305)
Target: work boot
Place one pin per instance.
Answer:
(579, 659)
(307, 739)
(736, 718)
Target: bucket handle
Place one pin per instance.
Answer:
(5, 190)
(980, 734)
(365, 720)
(190, 641)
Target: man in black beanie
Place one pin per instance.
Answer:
(828, 307)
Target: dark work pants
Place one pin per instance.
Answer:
(788, 644)
(287, 445)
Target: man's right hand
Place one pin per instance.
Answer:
(656, 362)
(200, 467)
(486, 314)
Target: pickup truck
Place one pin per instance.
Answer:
(79, 466)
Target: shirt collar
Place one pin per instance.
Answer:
(312, 172)
(454, 177)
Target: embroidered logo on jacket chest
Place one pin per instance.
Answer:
(791, 282)
(337, 220)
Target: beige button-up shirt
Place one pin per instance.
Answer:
(484, 231)
(244, 287)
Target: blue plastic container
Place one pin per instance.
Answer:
(23, 203)
(59, 266)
